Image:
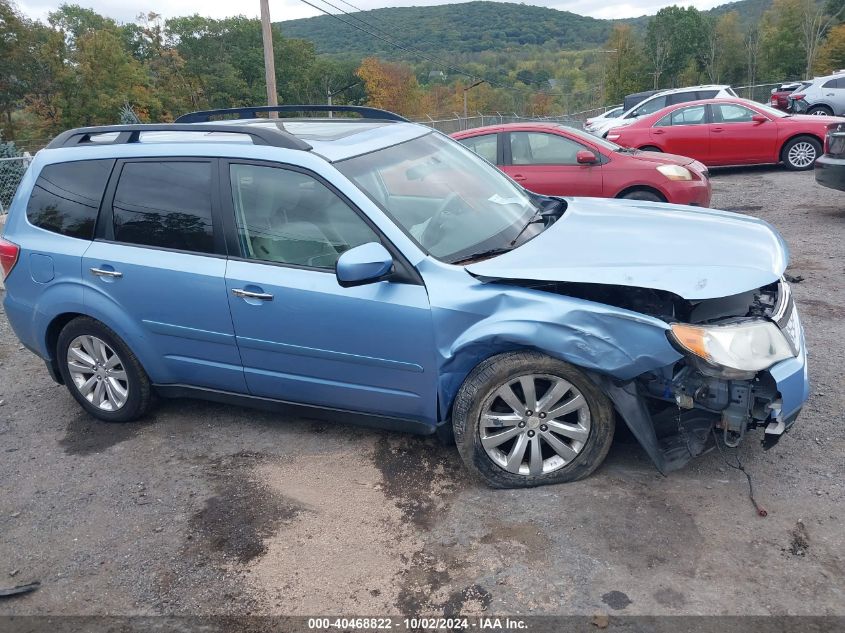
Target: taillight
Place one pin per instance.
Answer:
(8, 256)
(796, 97)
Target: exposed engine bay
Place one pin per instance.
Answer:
(685, 402)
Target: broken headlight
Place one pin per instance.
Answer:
(746, 345)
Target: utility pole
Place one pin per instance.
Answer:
(269, 60)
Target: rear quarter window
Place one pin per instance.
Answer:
(66, 197)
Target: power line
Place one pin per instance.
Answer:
(414, 51)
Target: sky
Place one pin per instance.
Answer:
(280, 10)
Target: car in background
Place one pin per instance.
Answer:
(730, 132)
(830, 167)
(556, 160)
(637, 98)
(824, 96)
(659, 101)
(612, 113)
(779, 98)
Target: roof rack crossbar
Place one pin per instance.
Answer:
(252, 112)
(132, 134)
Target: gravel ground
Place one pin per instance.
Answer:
(209, 509)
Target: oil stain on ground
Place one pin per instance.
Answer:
(86, 436)
(235, 522)
(419, 475)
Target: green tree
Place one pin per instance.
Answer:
(675, 38)
(625, 64)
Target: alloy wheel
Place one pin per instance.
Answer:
(98, 372)
(534, 424)
(802, 154)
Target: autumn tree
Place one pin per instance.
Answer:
(390, 86)
(625, 64)
(832, 53)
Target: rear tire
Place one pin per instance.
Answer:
(642, 194)
(564, 437)
(820, 111)
(101, 372)
(651, 148)
(800, 153)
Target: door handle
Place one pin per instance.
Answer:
(518, 177)
(99, 272)
(246, 294)
(716, 129)
(659, 131)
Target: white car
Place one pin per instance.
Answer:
(604, 116)
(658, 102)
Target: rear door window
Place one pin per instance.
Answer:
(838, 82)
(165, 204)
(706, 94)
(483, 145)
(66, 197)
(694, 115)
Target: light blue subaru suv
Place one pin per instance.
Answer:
(366, 269)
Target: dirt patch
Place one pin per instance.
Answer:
(821, 308)
(85, 435)
(668, 597)
(235, 522)
(799, 540)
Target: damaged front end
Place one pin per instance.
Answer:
(743, 367)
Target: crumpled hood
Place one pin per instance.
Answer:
(694, 253)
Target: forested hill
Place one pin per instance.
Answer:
(460, 28)
(470, 27)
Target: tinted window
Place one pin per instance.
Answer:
(650, 106)
(66, 197)
(680, 97)
(166, 204)
(839, 82)
(694, 115)
(291, 218)
(484, 146)
(731, 113)
(538, 148)
(706, 94)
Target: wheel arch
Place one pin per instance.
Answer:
(792, 137)
(642, 187)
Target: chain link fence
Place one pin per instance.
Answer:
(459, 123)
(11, 172)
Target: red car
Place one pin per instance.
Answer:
(779, 95)
(557, 160)
(730, 132)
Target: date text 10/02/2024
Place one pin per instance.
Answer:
(415, 624)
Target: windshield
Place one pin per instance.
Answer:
(450, 201)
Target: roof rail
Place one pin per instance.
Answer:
(204, 116)
(132, 134)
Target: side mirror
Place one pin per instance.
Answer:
(363, 264)
(586, 157)
(759, 118)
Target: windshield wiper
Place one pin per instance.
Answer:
(549, 207)
(482, 254)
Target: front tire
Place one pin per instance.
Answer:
(651, 148)
(800, 153)
(101, 372)
(642, 194)
(524, 419)
(820, 111)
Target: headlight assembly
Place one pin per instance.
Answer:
(675, 172)
(745, 346)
